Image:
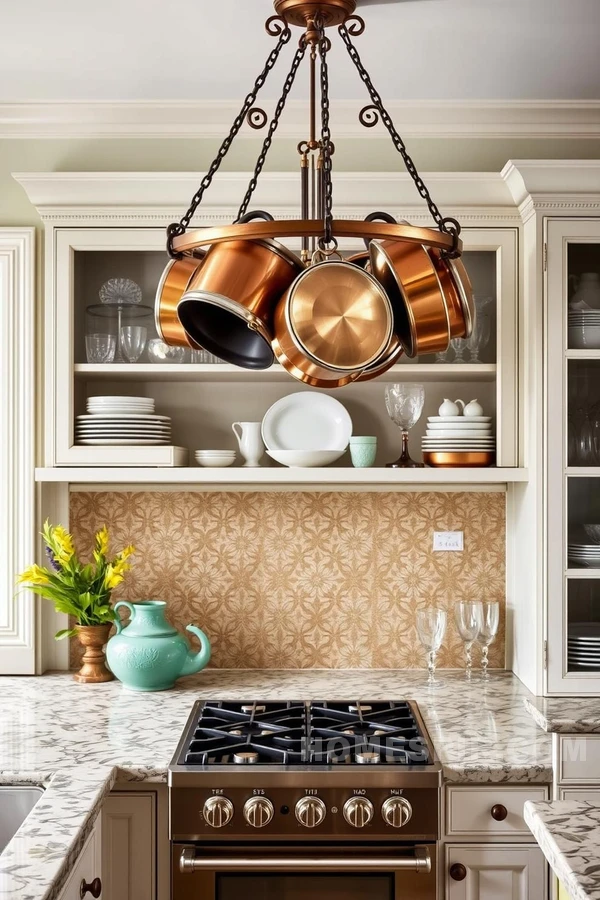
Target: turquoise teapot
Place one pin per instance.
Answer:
(149, 654)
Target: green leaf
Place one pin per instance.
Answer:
(65, 632)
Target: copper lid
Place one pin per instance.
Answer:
(340, 315)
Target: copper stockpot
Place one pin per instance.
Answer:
(174, 282)
(410, 279)
(458, 292)
(331, 324)
(231, 300)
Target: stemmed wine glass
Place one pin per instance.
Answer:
(404, 403)
(490, 620)
(468, 615)
(460, 345)
(431, 627)
(133, 341)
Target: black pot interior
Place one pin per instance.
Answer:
(224, 334)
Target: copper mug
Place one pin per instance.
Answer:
(332, 323)
(229, 306)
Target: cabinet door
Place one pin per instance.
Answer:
(17, 426)
(129, 846)
(86, 869)
(495, 872)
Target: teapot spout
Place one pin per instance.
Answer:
(195, 662)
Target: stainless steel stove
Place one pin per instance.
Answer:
(266, 796)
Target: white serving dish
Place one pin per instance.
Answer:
(120, 442)
(215, 460)
(306, 420)
(305, 459)
(450, 420)
(458, 425)
(456, 433)
(109, 417)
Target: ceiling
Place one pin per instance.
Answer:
(200, 50)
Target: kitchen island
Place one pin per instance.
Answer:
(79, 740)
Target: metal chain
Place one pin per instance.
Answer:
(447, 225)
(326, 144)
(288, 84)
(177, 228)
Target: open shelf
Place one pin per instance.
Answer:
(280, 476)
(224, 372)
(582, 354)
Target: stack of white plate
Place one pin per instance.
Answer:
(584, 554)
(584, 329)
(584, 645)
(120, 422)
(459, 434)
(215, 459)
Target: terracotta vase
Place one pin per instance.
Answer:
(93, 639)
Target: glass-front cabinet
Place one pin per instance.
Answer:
(572, 410)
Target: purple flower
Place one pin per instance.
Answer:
(52, 560)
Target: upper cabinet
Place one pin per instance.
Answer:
(94, 236)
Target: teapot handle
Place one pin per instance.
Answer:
(461, 403)
(118, 620)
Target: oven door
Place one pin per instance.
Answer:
(255, 871)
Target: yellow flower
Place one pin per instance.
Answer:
(112, 578)
(62, 544)
(126, 553)
(33, 575)
(102, 541)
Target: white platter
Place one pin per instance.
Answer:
(456, 433)
(306, 421)
(459, 426)
(109, 417)
(120, 442)
(449, 419)
(124, 426)
(584, 665)
(305, 459)
(121, 411)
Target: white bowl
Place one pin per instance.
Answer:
(215, 452)
(305, 459)
(215, 461)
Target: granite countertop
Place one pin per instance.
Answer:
(569, 834)
(78, 740)
(567, 715)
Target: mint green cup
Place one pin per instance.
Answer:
(363, 450)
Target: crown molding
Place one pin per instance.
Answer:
(155, 194)
(554, 186)
(573, 119)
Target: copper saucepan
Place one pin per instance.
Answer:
(333, 322)
(457, 291)
(229, 306)
(174, 282)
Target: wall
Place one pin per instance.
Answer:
(295, 580)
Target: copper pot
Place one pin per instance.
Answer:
(174, 282)
(229, 306)
(458, 292)
(389, 359)
(410, 279)
(331, 324)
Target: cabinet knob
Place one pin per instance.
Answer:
(458, 872)
(94, 888)
(499, 812)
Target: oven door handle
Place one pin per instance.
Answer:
(189, 861)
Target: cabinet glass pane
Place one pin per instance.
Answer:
(584, 296)
(583, 427)
(583, 634)
(583, 549)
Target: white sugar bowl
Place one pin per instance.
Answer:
(451, 408)
(473, 409)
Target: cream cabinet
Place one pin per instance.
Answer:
(84, 882)
(484, 872)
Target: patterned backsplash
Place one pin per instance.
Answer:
(305, 580)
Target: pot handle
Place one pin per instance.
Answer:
(379, 217)
(255, 214)
(118, 621)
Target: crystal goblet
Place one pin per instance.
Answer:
(133, 341)
(404, 403)
(468, 616)
(431, 627)
(459, 345)
(490, 620)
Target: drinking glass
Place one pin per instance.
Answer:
(431, 627)
(490, 619)
(133, 341)
(481, 335)
(100, 348)
(460, 345)
(468, 615)
(404, 403)
(442, 356)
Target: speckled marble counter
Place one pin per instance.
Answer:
(567, 715)
(79, 739)
(569, 834)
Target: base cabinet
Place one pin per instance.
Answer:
(129, 846)
(501, 872)
(85, 882)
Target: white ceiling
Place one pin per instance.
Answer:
(213, 49)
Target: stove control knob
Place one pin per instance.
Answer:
(258, 811)
(396, 811)
(358, 811)
(218, 811)
(310, 811)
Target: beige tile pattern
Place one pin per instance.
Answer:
(305, 580)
